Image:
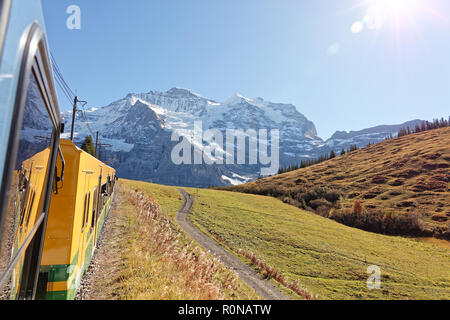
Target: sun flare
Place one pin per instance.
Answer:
(396, 8)
(381, 12)
(396, 5)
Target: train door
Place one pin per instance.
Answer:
(29, 140)
(85, 227)
(94, 217)
(83, 231)
(96, 207)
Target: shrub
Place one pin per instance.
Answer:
(344, 216)
(357, 207)
(440, 217)
(401, 224)
(379, 179)
(319, 203)
(302, 204)
(391, 223)
(447, 233)
(332, 196)
(323, 211)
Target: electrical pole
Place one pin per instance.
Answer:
(96, 145)
(75, 102)
(100, 145)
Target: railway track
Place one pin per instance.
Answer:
(265, 289)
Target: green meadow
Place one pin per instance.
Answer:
(328, 259)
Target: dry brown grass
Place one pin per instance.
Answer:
(273, 273)
(404, 176)
(198, 270)
(154, 261)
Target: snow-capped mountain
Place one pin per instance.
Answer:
(343, 139)
(36, 130)
(138, 133)
(139, 129)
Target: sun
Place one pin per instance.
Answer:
(381, 12)
(396, 7)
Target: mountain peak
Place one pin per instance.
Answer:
(236, 98)
(182, 92)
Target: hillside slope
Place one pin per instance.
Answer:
(142, 254)
(398, 178)
(325, 258)
(298, 250)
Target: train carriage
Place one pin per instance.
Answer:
(75, 221)
(29, 129)
(54, 197)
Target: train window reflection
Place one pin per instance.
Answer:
(28, 181)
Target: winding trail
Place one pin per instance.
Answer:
(266, 290)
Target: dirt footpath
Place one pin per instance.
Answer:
(265, 289)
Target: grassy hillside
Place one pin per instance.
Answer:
(402, 184)
(144, 256)
(321, 255)
(169, 198)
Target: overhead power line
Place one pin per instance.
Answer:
(83, 113)
(60, 76)
(70, 95)
(67, 91)
(73, 99)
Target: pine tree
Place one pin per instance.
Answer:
(402, 132)
(343, 152)
(88, 146)
(332, 154)
(423, 126)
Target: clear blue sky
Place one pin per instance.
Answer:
(309, 53)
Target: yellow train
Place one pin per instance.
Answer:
(76, 215)
(54, 197)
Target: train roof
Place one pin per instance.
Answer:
(65, 143)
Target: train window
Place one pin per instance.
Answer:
(87, 210)
(34, 144)
(30, 207)
(104, 189)
(29, 134)
(94, 208)
(87, 200)
(23, 195)
(104, 195)
(110, 185)
(24, 183)
(84, 212)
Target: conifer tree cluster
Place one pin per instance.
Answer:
(310, 162)
(289, 168)
(88, 146)
(425, 126)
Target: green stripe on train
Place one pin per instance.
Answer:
(60, 272)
